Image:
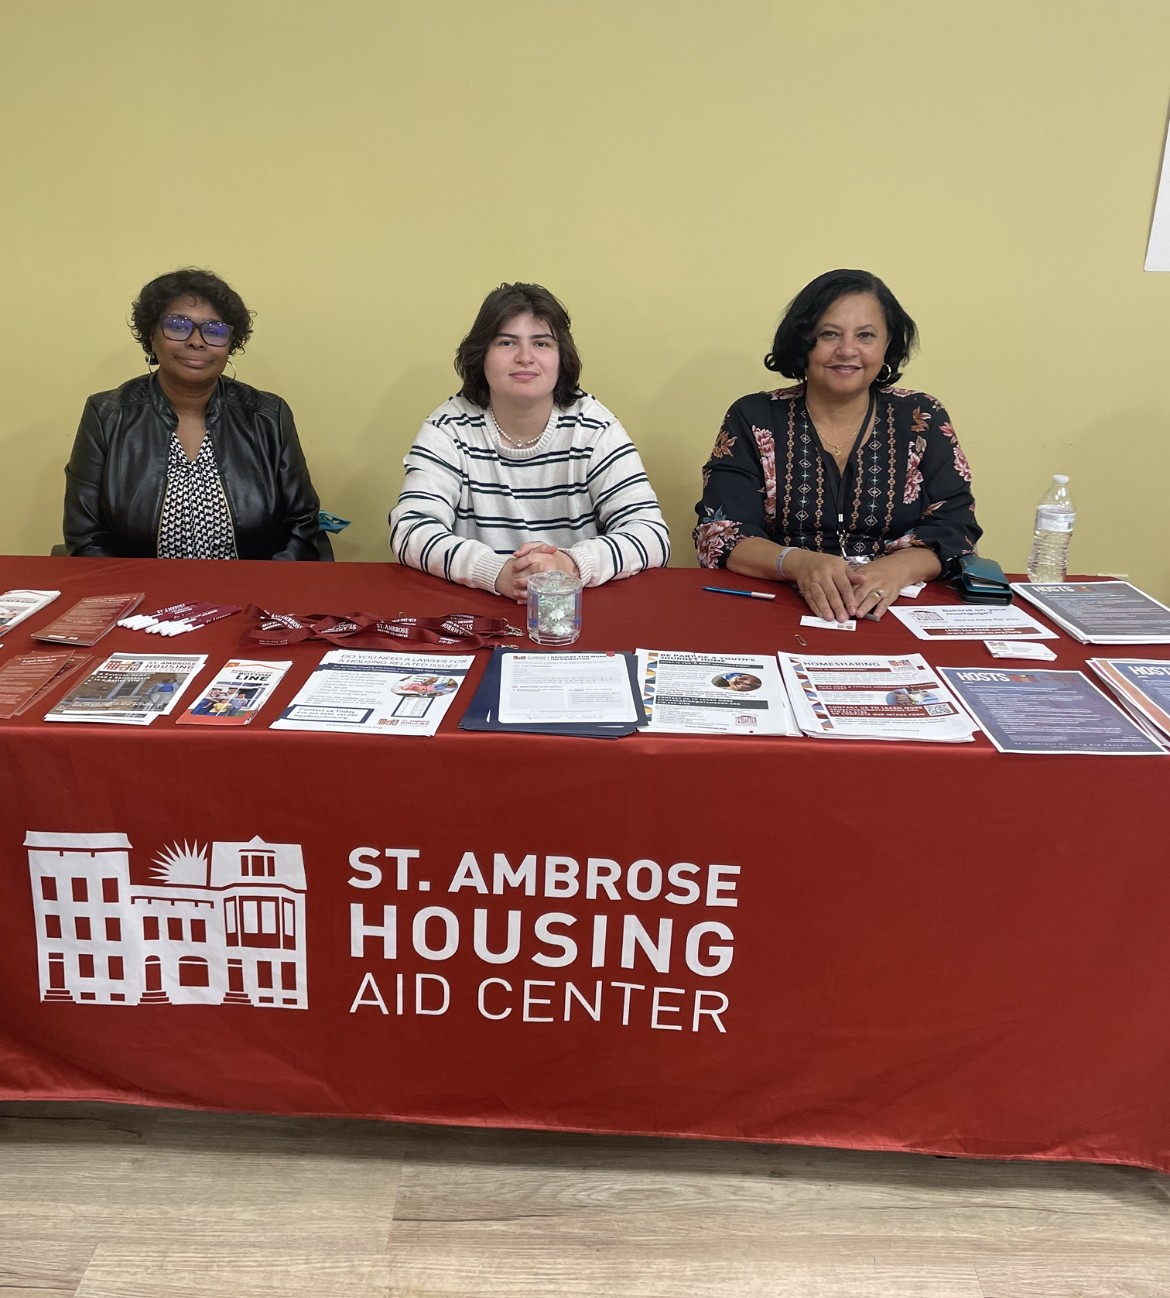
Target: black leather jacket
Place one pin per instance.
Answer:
(116, 477)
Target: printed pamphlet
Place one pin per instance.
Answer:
(240, 689)
(130, 689)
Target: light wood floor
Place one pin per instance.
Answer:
(107, 1202)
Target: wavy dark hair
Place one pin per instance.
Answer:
(796, 332)
(151, 304)
(501, 305)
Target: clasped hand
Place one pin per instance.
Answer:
(835, 592)
(532, 557)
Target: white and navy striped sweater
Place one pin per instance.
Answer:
(467, 502)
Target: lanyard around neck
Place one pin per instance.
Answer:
(839, 495)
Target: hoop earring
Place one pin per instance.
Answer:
(151, 359)
(233, 365)
(883, 379)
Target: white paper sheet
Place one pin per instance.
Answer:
(1158, 250)
(971, 622)
(547, 688)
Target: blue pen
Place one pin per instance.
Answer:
(747, 594)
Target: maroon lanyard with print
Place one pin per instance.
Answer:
(369, 631)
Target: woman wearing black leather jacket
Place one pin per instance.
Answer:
(184, 463)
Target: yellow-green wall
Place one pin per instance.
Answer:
(365, 170)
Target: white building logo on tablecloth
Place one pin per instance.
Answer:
(228, 932)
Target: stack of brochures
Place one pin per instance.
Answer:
(130, 689)
(1100, 612)
(897, 697)
(29, 678)
(1034, 710)
(1142, 687)
(89, 619)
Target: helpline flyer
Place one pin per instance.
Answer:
(240, 689)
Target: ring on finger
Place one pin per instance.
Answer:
(881, 594)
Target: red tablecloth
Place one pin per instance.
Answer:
(872, 945)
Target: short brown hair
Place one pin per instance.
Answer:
(500, 306)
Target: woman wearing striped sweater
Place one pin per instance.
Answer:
(522, 471)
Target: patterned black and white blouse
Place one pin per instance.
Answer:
(768, 476)
(195, 522)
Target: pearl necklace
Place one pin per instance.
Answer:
(520, 446)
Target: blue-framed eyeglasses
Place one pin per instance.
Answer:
(178, 328)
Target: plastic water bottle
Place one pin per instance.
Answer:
(1055, 516)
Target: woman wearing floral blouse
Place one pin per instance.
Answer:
(845, 485)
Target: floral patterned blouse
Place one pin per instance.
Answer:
(769, 476)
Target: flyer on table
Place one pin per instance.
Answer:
(714, 694)
(16, 605)
(877, 697)
(240, 689)
(24, 677)
(971, 622)
(89, 619)
(555, 687)
(368, 692)
(1100, 612)
(130, 689)
(1037, 710)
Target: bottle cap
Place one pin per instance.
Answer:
(1060, 477)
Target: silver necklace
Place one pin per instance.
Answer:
(520, 446)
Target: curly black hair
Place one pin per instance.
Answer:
(151, 304)
(796, 332)
(501, 305)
